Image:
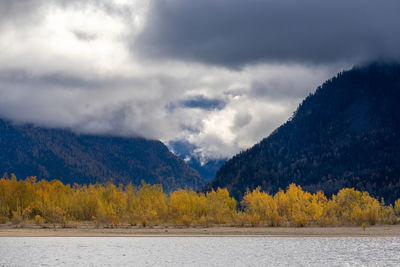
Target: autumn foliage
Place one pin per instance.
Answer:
(298, 208)
(43, 202)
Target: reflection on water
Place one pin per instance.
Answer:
(198, 251)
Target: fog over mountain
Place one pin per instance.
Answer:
(217, 74)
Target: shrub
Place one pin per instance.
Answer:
(3, 219)
(397, 207)
(38, 220)
(16, 218)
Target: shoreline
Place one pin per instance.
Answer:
(214, 231)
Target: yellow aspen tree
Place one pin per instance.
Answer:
(397, 207)
(220, 206)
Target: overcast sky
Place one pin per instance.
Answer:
(219, 74)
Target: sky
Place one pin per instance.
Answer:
(217, 74)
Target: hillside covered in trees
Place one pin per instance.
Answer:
(72, 158)
(207, 168)
(346, 134)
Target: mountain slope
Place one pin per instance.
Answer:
(207, 168)
(71, 158)
(346, 134)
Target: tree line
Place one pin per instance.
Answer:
(51, 202)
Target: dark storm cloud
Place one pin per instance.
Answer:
(234, 33)
(202, 102)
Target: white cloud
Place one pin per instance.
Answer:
(73, 69)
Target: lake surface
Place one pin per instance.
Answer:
(198, 251)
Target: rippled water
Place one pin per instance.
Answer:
(198, 251)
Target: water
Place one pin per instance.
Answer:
(198, 251)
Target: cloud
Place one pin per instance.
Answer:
(117, 106)
(234, 33)
(241, 120)
(84, 36)
(81, 65)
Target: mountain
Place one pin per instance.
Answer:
(207, 168)
(72, 158)
(346, 134)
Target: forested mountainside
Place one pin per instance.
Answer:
(207, 168)
(72, 158)
(346, 134)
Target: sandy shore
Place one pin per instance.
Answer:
(33, 231)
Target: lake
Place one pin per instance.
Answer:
(199, 251)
